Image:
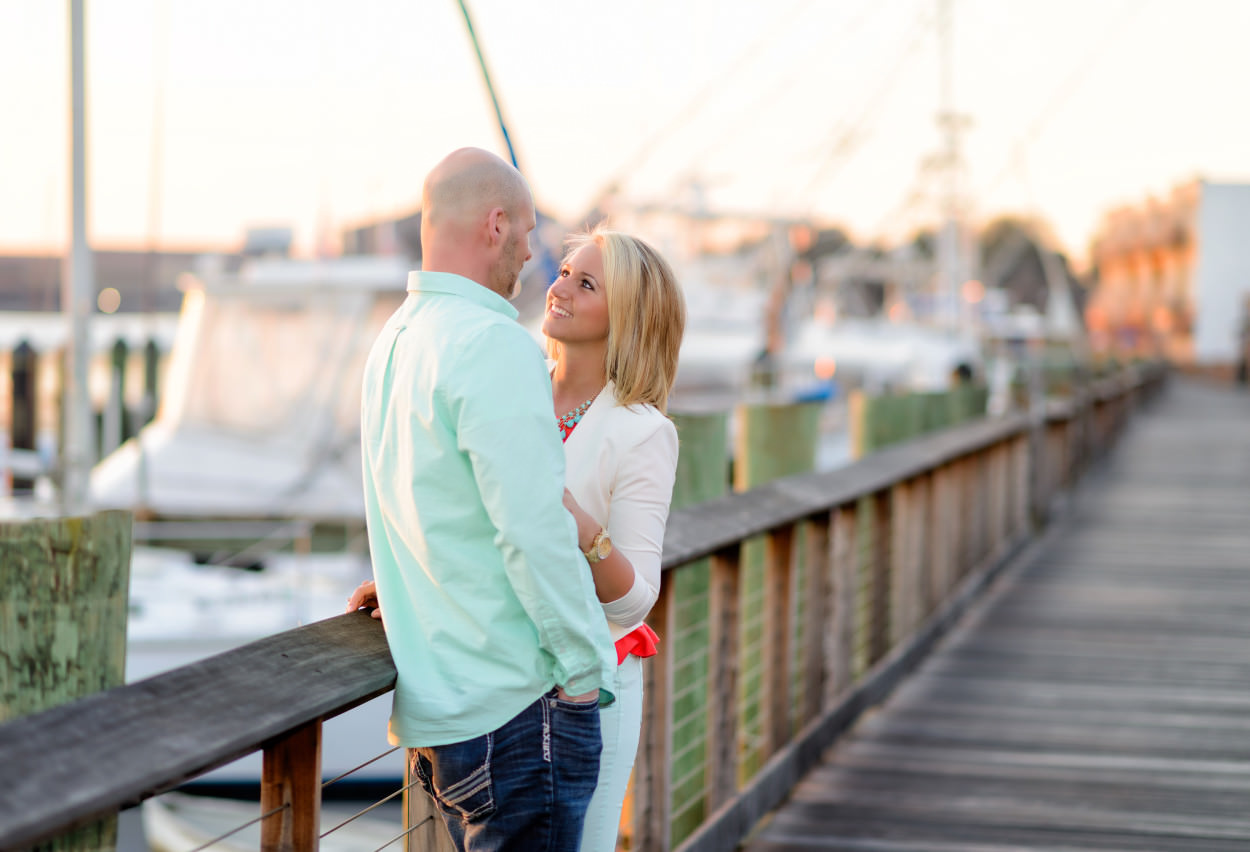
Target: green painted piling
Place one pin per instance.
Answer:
(772, 441)
(880, 421)
(703, 461)
(64, 591)
(702, 474)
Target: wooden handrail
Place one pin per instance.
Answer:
(72, 764)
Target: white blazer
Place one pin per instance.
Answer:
(620, 465)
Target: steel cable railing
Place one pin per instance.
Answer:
(341, 824)
(868, 592)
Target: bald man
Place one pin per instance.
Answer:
(502, 652)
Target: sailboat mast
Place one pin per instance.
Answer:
(77, 287)
(490, 87)
(952, 268)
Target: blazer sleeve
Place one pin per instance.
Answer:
(640, 496)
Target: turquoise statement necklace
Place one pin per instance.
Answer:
(572, 418)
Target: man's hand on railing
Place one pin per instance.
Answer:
(365, 596)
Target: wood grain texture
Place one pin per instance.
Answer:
(697, 531)
(423, 820)
(64, 590)
(64, 587)
(290, 784)
(1097, 698)
(652, 769)
(724, 594)
(68, 765)
(817, 617)
(777, 649)
(79, 760)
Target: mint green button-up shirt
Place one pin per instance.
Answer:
(487, 600)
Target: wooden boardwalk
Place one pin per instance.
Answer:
(1098, 698)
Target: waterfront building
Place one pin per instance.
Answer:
(1172, 277)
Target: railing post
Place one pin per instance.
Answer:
(778, 637)
(1082, 418)
(917, 523)
(961, 515)
(817, 580)
(724, 595)
(290, 791)
(939, 535)
(1055, 465)
(974, 496)
(879, 628)
(1000, 475)
(840, 657)
(425, 830)
(985, 501)
(905, 508)
(652, 778)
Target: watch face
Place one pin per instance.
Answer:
(604, 547)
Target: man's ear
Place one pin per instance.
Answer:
(496, 226)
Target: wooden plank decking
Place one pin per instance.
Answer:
(1098, 698)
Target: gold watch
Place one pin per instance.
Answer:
(600, 547)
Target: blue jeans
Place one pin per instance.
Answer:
(523, 786)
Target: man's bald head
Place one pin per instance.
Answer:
(476, 215)
(469, 182)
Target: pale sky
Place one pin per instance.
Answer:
(207, 116)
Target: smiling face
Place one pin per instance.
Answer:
(577, 303)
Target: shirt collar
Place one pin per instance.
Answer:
(457, 285)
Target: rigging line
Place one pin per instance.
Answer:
(156, 163)
(490, 87)
(846, 141)
(914, 195)
(1067, 88)
(752, 110)
(547, 264)
(702, 97)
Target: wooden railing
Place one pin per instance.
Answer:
(863, 569)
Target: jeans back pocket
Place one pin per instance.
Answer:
(458, 776)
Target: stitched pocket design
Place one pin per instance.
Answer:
(459, 777)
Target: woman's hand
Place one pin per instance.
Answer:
(365, 596)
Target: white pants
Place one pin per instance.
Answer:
(621, 724)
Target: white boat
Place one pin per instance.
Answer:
(260, 416)
(877, 354)
(256, 440)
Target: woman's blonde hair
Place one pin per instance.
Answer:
(646, 317)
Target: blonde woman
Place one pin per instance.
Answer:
(614, 321)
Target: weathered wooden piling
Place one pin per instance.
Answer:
(64, 591)
(22, 406)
